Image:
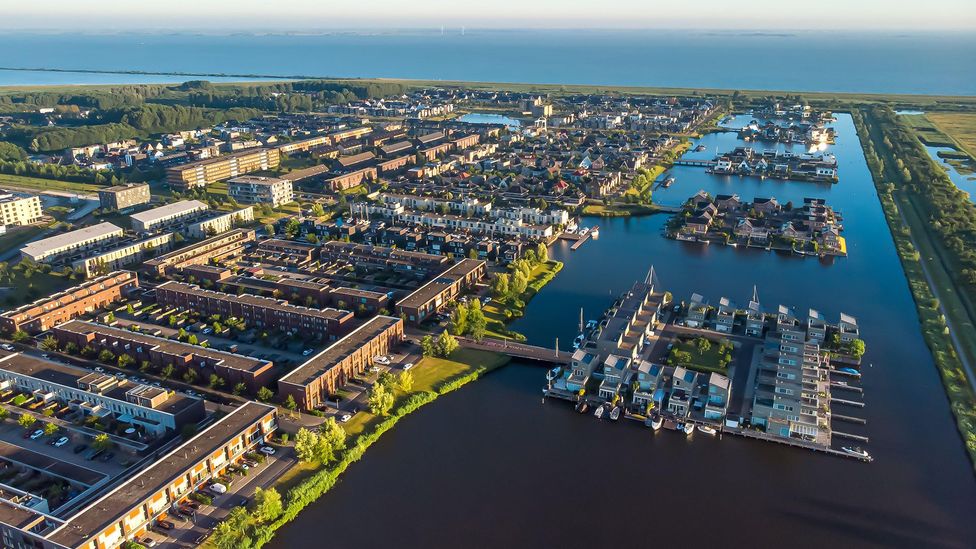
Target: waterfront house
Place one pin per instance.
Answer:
(725, 315)
(614, 368)
(697, 312)
(755, 319)
(683, 383)
(648, 378)
(717, 401)
(752, 230)
(728, 202)
(816, 326)
(788, 325)
(766, 205)
(699, 223)
(581, 367)
(847, 328)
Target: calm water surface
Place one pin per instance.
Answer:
(490, 466)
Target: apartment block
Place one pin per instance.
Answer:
(312, 383)
(262, 312)
(250, 189)
(159, 411)
(217, 248)
(160, 352)
(124, 254)
(121, 197)
(166, 216)
(71, 243)
(48, 312)
(220, 223)
(17, 210)
(381, 257)
(221, 168)
(443, 289)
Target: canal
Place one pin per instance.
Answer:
(490, 466)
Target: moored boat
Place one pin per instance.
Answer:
(706, 429)
(582, 407)
(856, 451)
(615, 413)
(595, 231)
(656, 423)
(688, 428)
(599, 412)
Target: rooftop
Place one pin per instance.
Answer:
(46, 245)
(428, 291)
(183, 207)
(333, 354)
(97, 516)
(256, 301)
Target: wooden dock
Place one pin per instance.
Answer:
(847, 402)
(748, 433)
(849, 419)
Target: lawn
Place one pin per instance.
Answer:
(38, 183)
(429, 373)
(618, 210)
(959, 126)
(928, 132)
(709, 361)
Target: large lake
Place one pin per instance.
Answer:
(490, 466)
(903, 62)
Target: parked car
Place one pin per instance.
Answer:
(218, 488)
(267, 450)
(374, 369)
(408, 365)
(99, 369)
(307, 352)
(61, 442)
(7, 347)
(165, 524)
(37, 434)
(148, 542)
(345, 417)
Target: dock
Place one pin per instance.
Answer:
(859, 438)
(849, 419)
(847, 402)
(798, 444)
(695, 163)
(578, 239)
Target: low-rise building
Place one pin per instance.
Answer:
(65, 245)
(261, 312)
(430, 297)
(217, 248)
(204, 172)
(126, 253)
(45, 313)
(250, 189)
(121, 197)
(220, 223)
(166, 216)
(312, 383)
(161, 352)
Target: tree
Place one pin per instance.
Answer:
(125, 361)
(405, 381)
(270, 229)
(542, 252)
(446, 344)
(477, 323)
(265, 394)
(703, 345)
(4, 414)
(267, 504)
(190, 375)
(857, 348)
(499, 287)
(101, 442)
(26, 420)
(239, 389)
(520, 282)
(106, 356)
(20, 336)
(427, 346)
(290, 403)
(459, 320)
(49, 343)
(318, 210)
(216, 382)
(380, 399)
(167, 371)
(50, 429)
(305, 444)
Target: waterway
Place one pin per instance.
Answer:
(485, 118)
(964, 181)
(490, 466)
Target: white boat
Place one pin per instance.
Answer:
(615, 413)
(706, 429)
(856, 451)
(570, 230)
(599, 412)
(656, 423)
(583, 231)
(595, 231)
(688, 428)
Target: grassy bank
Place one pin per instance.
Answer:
(907, 229)
(961, 127)
(619, 210)
(499, 314)
(40, 184)
(433, 378)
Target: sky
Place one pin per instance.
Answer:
(299, 15)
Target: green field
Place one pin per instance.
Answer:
(37, 183)
(961, 127)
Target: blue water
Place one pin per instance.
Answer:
(805, 61)
(482, 118)
(965, 182)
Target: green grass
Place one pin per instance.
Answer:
(37, 183)
(618, 210)
(961, 127)
(700, 362)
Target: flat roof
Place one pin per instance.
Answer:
(331, 355)
(126, 187)
(175, 209)
(428, 291)
(68, 376)
(45, 245)
(228, 236)
(227, 360)
(50, 465)
(256, 180)
(223, 158)
(327, 313)
(97, 516)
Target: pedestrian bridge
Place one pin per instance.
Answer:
(515, 349)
